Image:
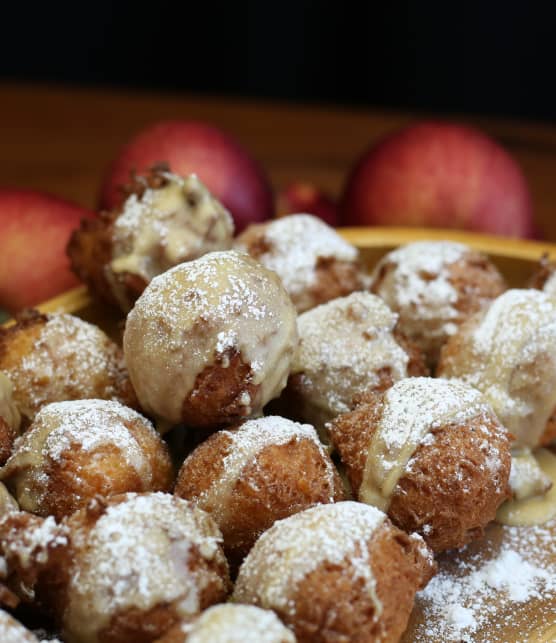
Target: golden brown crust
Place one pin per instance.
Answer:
(19, 341)
(451, 488)
(90, 247)
(448, 494)
(90, 251)
(334, 278)
(477, 282)
(351, 434)
(417, 364)
(145, 626)
(281, 481)
(331, 607)
(216, 399)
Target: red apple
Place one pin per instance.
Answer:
(439, 175)
(193, 147)
(304, 197)
(35, 229)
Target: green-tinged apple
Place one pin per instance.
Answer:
(188, 147)
(35, 228)
(439, 174)
(304, 197)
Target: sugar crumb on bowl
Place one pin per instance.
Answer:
(486, 597)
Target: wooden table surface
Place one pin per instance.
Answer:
(62, 140)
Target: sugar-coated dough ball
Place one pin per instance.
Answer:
(432, 454)
(74, 451)
(251, 476)
(59, 357)
(10, 418)
(211, 341)
(508, 352)
(166, 220)
(435, 286)
(231, 623)
(313, 261)
(143, 563)
(336, 572)
(11, 631)
(347, 346)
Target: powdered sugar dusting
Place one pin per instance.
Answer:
(199, 313)
(418, 287)
(248, 441)
(71, 359)
(13, 632)
(61, 427)
(344, 346)
(237, 624)
(296, 546)
(510, 357)
(296, 243)
(413, 408)
(136, 556)
(165, 226)
(475, 596)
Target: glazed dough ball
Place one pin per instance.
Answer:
(77, 450)
(13, 632)
(338, 572)
(166, 220)
(126, 568)
(10, 418)
(211, 341)
(59, 357)
(313, 261)
(231, 624)
(141, 564)
(435, 286)
(432, 454)
(347, 346)
(508, 352)
(251, 476)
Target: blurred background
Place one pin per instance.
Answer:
(317, 107)
(478, 58)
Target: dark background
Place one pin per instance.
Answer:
(479, 58)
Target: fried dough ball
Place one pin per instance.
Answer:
(211, 341)
(77, 450)
(313, 261)
(347, 346)
(251, 476)
(508, 352)
(435, 286)
(11, 631)
(231, 624)
(432, 454)
(10, 418)
(166, 220)
(122, 569)
(142, 564)
(339, 572)
(58, 357)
